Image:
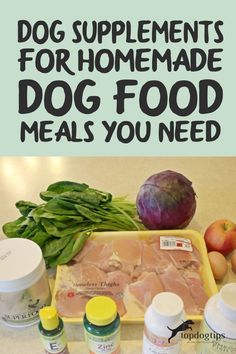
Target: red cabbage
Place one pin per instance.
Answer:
(166, 200)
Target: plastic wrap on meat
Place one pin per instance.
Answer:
(196, 288)
(70, 303)
(132, 272)
(145, 288)
(173, 281)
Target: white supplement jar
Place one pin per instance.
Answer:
(163, 320)
(24, 286)
(218, 329)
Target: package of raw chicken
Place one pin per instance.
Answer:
(132, 267)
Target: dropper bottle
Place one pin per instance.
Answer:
(52, 332)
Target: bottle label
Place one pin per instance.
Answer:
(109, 344)
(153, 344)
(21, 308)
(55, 344)
(214, 343)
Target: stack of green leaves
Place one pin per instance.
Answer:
(70, 213)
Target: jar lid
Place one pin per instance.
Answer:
(21, 264)
(227, 301)
(101, 310)
(168, 307)
(49, 318)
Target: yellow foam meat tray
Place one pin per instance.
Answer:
(196, 239)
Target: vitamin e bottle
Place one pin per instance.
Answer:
(51, 328)
(102, 326)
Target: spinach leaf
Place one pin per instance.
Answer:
(51, 262)
(105, 197)
(30, 231)
(59, 206)
(53, 247)
(89, 214)
(71, 249)
(64, 186)
(11, 228)
(70, 213)
(64, 256)
(47, 195)
(41, 212)
(25, 228)
(25, 207)
(41, 237)
(53, 230)
(89, 196)
(80, 241)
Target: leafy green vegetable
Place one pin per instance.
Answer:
(41, 237)
(69, 214)
(60, 206)
(64, 186)
(79, 242)
(11, 228)
(47, 195)
(65, 255)
(54, 246)
(25, 207)
(89, 214)
(72, 248)
(53, 230)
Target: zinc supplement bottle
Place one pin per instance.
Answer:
(102, 326)
(52, 333)
(218, 329)
(161, 320)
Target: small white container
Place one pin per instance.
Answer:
(24, 286)
(162, 317)
(218, 329)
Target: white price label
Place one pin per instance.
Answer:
(175, 243)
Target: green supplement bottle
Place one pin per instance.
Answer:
(102, 326)
(51, 330)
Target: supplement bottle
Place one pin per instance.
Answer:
(102, 326)
(24, 286)
(163, 323)
(218, 329)
(52, 333)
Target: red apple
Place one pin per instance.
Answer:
(221, 236)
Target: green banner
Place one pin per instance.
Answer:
(151, 78)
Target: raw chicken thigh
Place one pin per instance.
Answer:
(132, 272)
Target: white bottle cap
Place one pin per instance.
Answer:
(21, 264)
(227, 301)
(168, 307)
